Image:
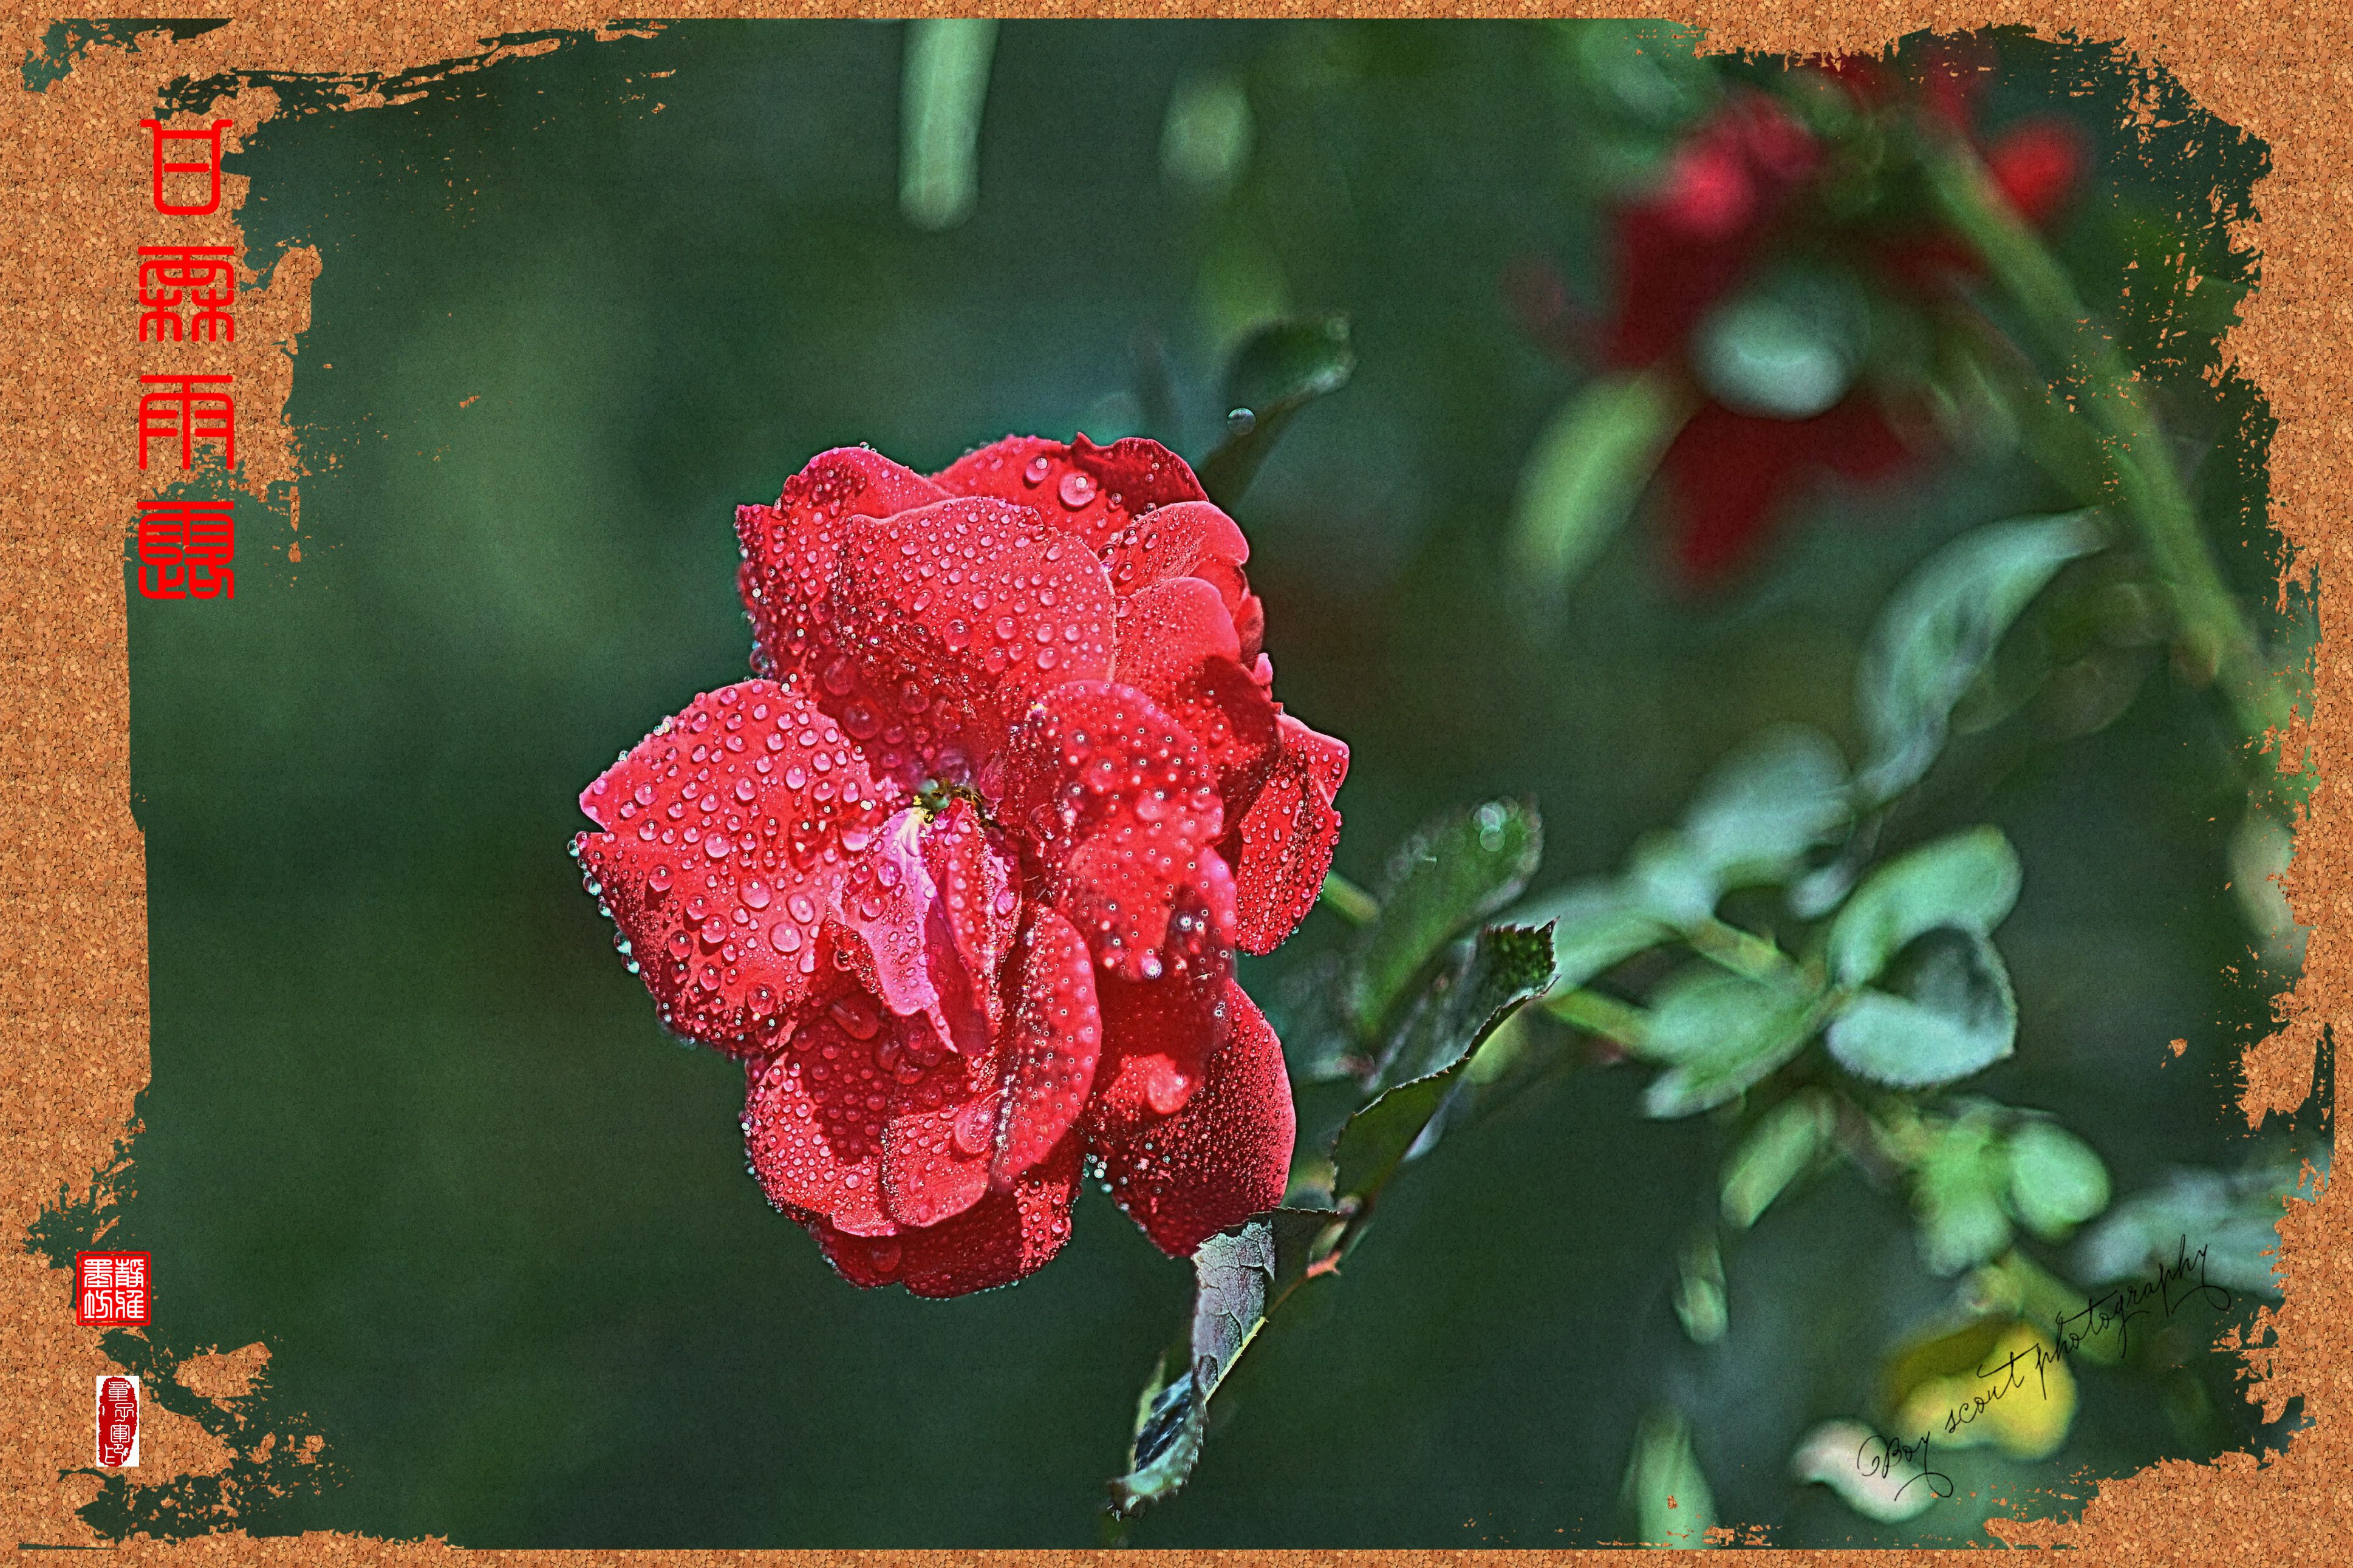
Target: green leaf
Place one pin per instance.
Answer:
(1642, 73)
(1765, 805)
(1453, 873)
(2056, 1182)
(2234, 1217)
(1969, 880)
(1700, 1303)
(1868, 1475)
(1664, 1486)
(1587, 468)
(1777, 1151)
(1668, 880)
(1956, 1197)
(1786, 348)
(1238, 1276)
(1279, 370)
(1596, 926)
(1780, 793)
(1950, 1013)
(1205, 139)
(1504, 967)
(1939, 629)
(1720, 1034)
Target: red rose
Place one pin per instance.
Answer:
(1722, 197)
(960, 875)
(1725, 200)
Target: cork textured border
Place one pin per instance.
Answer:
(73, 988)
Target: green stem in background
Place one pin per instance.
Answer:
(1349, 902)
(2214, 635)
(1598, 1015)
(1744, 954)
(940, 100)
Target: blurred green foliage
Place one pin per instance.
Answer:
(411, 1124)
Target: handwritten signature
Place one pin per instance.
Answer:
(2173, 1284)
(1892, 1453)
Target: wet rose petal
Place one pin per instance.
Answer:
(1158, 1038)
(1178, 645)
(813, 1129)
(1079, 486)
(790, 552)
(1003, 1237)
(1282, 846)
(721, 848)
(960, 883)
(936, 1143)
(1056, 1038)
(1225, 1155)
(972, 607)
(972, 924)
(1115, 796)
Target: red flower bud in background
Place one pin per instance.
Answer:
(1680, 248)
(1724, 208)
(959, 875)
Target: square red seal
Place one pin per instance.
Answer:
(110, 1289)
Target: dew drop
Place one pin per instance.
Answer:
(976, 1126)
(857, 1017)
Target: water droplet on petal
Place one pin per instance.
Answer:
(976, 1126)
(1076, 489)
(857, 1017)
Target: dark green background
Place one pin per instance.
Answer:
(411, 1124)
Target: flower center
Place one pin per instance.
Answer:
(933, 796)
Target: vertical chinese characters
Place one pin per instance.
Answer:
(118, 1421)
(185, 547)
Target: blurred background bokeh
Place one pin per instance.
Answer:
(413, 1125)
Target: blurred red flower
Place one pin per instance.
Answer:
(960, 874)
(1732, 196)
